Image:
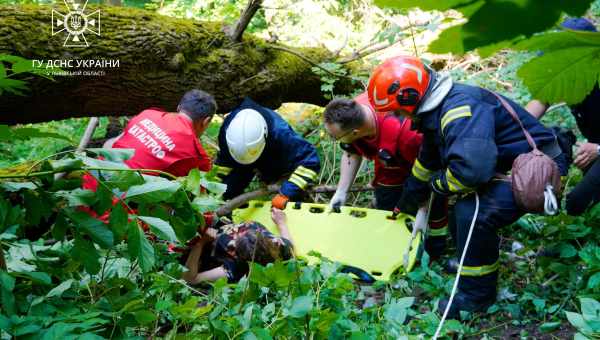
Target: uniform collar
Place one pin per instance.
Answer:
(441, 85)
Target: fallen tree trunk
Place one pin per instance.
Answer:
(244, 198)
(158, 57)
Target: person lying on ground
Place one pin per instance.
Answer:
(227, 251)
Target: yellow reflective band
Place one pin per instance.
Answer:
(420, 172)
(480, 270)
(451, 115)
(439, 231)
(306, 172)
(455, 185)
(301, 183)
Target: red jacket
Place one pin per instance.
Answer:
(396, 138)
(163, 141)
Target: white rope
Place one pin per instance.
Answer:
(459, 270)
(550, 201)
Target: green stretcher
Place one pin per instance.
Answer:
(367, 240)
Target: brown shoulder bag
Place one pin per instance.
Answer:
(535, 176)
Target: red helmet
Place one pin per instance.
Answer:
(398, 83)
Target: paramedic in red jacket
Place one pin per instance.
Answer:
(388, 141)
(168, 141)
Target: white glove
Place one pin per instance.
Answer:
(338, 199)
(421, 220)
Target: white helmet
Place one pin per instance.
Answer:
(246, 136)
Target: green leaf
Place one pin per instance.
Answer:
(98, 163)
(214, 187)
(23, 66)
(118, 221)
(2, 71)
(594, 281)
(28, 328)
(114, 155)
(16, 186)
(301, 306)
(160, 227)
(487, 20)
(67, 164)
(85, 252)
(6, 281)
(5, 323)
(29, 132)
(5, 133)
(550, 326)
(192, 181)
(123, 180)
(579, 336)
(204, 204)
(567, 250)
(78, 197)
(13, 86)
(151, 192)
(139, 247)
(144, 316)
(93, 227)
(577, 321)
(590, 309)
(564, 75)
(60, 289)
(37, 277)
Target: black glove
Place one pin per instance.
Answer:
(414, 194)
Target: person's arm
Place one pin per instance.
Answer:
(280, 221)
(193, 262)
(468, 130)
(349, 166)
(306, 165)
(536, 108)
(109, 143)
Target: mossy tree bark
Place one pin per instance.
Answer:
(159, 59)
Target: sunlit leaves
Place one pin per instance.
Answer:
(568, 69)
(488, 20)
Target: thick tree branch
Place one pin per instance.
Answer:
(155, 59)
(244, 198)
(251, 9)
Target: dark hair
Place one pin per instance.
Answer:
(255, 246)
(347, 113)
(197, 104)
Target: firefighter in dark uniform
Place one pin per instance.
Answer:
(255, 140)
(468, 138)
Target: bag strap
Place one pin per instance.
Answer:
(515, 117)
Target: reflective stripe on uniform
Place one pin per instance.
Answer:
(480, 270)
(454, 185)
(420, 172)
(306, 172)
(438, 231)
(456, 113)
(299, 181)
(223, 170)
